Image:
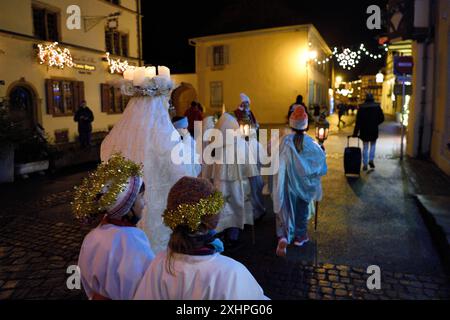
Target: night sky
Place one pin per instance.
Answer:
(167, 26)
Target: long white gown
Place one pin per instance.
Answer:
(113, 260)
(212, 277)
(143, 135)
(232, 179)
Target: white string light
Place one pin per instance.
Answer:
(349, 59)
(54, 56)
(116, 65)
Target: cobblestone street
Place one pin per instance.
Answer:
(39, 239)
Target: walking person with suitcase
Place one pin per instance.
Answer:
(368, 118)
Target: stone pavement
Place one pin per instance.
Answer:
(370, 221)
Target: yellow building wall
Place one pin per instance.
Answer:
(17, 16)
(440, 153)
(18, 58)
(20, 62)
(271, 68)
(190, 78)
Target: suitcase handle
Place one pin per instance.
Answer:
(348, 140)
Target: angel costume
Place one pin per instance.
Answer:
(232, 179)
(189, 147)
(210, 277)
(144, 135)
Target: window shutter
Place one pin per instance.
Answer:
(78, 94)
(209, 57)
(49, 95)
(106, 103)
(226, 54)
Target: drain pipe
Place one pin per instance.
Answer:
(423, 96)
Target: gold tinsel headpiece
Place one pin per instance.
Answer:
(191, 214)
(90, 198)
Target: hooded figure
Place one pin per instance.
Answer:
(243, 112)
(297, 183)
(144, 135)
(193, 267)
(193, 167)
(114, 256)
(232, 178)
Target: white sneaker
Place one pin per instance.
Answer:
(281, 248)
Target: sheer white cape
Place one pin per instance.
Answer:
(143, 135)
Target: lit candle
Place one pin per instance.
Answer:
(321, 133)
(164, 71)
(139, 76)
(129, 74)
(150, 72)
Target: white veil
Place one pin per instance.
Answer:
(143, 135)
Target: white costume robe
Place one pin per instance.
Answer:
(232, 179)
(212, 277)
(113, 260)
(193, 166)
(144, 135)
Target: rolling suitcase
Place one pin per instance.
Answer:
(352, 159)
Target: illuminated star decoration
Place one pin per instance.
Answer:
(349, 58)
(116, 65)
(54, 56)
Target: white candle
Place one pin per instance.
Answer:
(129, 74)
(139, 76)
(164, 71)
(150, 72)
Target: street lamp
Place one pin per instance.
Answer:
(379, 77)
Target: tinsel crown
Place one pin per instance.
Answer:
(190, 214)
(90, 198)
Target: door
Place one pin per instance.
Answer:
(22, 106)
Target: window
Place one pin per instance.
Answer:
(63, 97)
(112, 99)
(216, 92)
(218, 57)
(116, 43)
(45, 23)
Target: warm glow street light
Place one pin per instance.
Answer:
(379, 77)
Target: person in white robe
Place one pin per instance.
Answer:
(189, 151)
(302, 163)
(257, 182)
(193, 267)
(144, 135)
(115, 255)
(232, 179)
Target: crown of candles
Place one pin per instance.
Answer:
(139, 74)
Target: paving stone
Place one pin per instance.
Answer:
(333, 278)
(323, 283)
(325, 290)
(339, 286)
(341, 293)
(6, 294)
(333, 272)
(10, 285)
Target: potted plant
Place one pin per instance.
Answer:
(33, 152)
(10, 135)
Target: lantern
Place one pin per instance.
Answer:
(322, 130)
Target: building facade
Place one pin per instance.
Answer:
(272, 66)
(423, 33)
(39, 93)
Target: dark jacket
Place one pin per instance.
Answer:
(243, 115)
(84, 117)
(368, 118)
